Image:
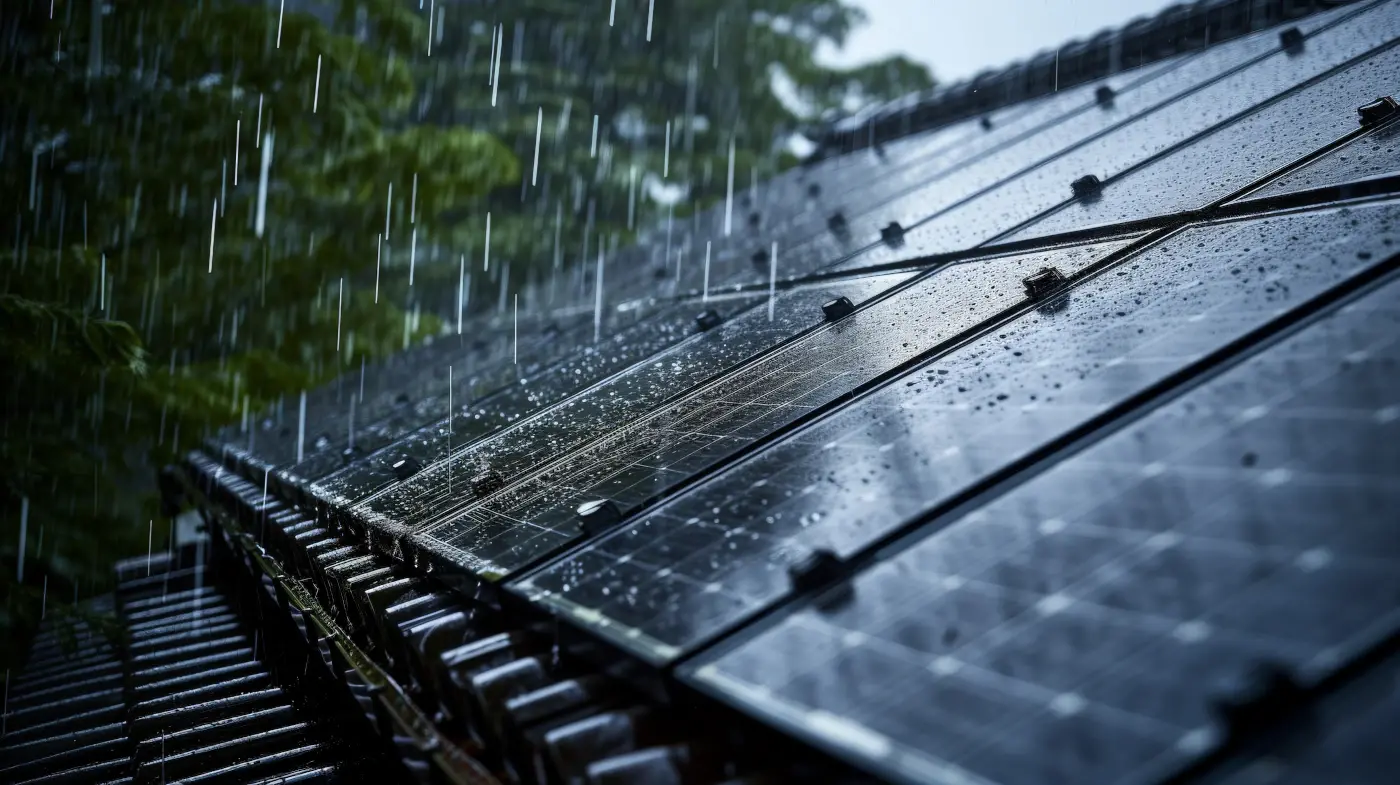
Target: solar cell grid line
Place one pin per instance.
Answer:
(960, 174)
(864, 203)
(476, 419)
(1368, 158)
(852, 192)
(696, 565)
(1147, 134)
(535, 513)
(401, 382)
(1237, 153)
(1079, 626)
(423, 427)
(618, 398)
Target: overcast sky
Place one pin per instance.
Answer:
(959, 38)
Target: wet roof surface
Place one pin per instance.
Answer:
(1073, 450)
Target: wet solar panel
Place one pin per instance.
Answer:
(615, 400)
(1053, 526)
(421, 432)
(1236, 154)
(628, 464)
(1159, 123)
(1371, 157)
(1080, 627)
(699, 564)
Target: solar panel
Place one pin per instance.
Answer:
(696, 565)
(632, 462)
(1080, 627)
(1371, 157)
(1236, 155)
(1158, 127)
(421, 431)
(886, 190)
(576, 419)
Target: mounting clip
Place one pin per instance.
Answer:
(486, 482)
(1087, 188)
(1103, 96)
(597, 516)
(1377, 111)
(708, 320)
(816, 569)
(1291, 40)
(839, 308)
(1256, 698)
(1042, 283)
(893, 235)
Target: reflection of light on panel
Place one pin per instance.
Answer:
(538, 388)
(645, 458)
(484, 401)
(1150, 129)
(1236, 155)
(1078, 628)
(620, 399)
(1373, 156)
(695, 566)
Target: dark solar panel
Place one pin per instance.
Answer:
(1236, 154)
(631, 463)
(1370, 157)
(696, 565)
(616, 400)
(476, 416)
(1078, 628)
(1173, 117)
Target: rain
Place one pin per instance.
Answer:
(924, 289)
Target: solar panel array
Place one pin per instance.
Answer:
(1107, 418)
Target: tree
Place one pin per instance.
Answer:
(200, 188)
(223, 204)
(670, 85)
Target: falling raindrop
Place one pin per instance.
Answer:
(486, 259)
(772, 280)
(705, 288)
(339, 309)
(213, 224)
(316, 96)
(729, 193)
(539, 124)
(301, 428)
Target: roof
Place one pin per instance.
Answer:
(984, 458)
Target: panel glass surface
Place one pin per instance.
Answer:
(1077, 628)
(1371, 157)
(1150, 132)
(474, 416)
(700, 563)
(575, 420)
(644, 459)
(1236, 155)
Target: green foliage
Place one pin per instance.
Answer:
(142, 304)
(706, 78)
(158, 285)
